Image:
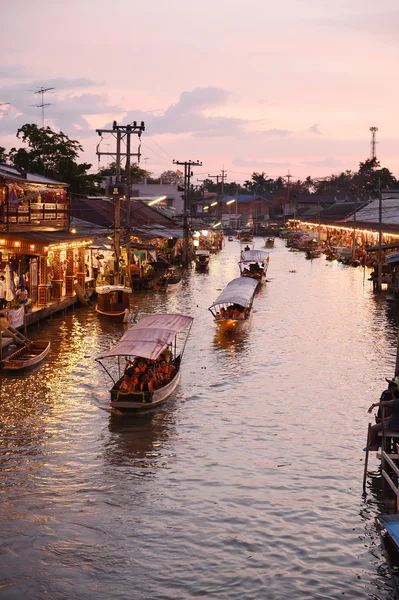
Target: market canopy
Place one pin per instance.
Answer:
(150, 336)
(238, 291)
(254, 256)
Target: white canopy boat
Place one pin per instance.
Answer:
(151, 337)
(112, 300)
(232, 309)
(254, 264)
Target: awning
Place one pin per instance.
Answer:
(239, 291)
(150, 336)
(258, 256)
(383, 247)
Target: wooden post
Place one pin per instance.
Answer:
(81, 274)
(43, 288)
(366, 460)
(69, 276)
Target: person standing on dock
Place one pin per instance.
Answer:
(2, 291)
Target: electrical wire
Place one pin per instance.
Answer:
(154, 142)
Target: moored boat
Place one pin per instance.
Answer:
(233, 307)
(246, 234)
(313, 253)
(174, 279)
(112, 300)
(202, 260)
(254, 264)
(388, 529)
(27, 356)
(145, 347)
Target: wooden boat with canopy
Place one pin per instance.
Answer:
(112, 300)
(202, 260)
(254, 264)
(232, 309)
(144, 348)
(30, 355)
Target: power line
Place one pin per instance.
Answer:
(154, 142)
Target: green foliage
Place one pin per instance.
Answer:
(137, 174)
(3, 155)
(172, 177)
(54, 155)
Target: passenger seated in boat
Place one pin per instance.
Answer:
(390, 423)
(146, 384)
(126, 385)
(247, 248)
(153, 379)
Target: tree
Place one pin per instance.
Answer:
(260, 184)
(3, 155)
(371, 177)
(137, 174)
(172, 177)
(54, 155)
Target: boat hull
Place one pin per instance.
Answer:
(27, 357)
(232, 325)
(142, 401)
(174, 286)
(111, 313)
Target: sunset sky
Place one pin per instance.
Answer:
(254, 85)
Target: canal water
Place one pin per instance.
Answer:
(246, 484)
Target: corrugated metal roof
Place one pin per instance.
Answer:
(370, 212)
(12, 173)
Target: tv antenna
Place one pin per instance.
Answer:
(42, 104)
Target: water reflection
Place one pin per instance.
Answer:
(232, 343)
(249, 476)
(140, 440)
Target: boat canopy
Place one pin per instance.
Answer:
(105, 289)
(150, 336)
(239, 291)
(392, 259)
(259, 256)
(202, 253)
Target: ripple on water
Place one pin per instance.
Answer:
(246, 484)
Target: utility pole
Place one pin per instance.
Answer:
(187, 164)
(203, 192)
(121, 133)
(224, 176)
(288, 176)
(218, 178)
(379, 280)
(354, 227)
